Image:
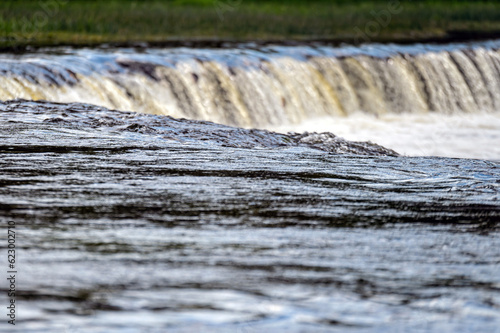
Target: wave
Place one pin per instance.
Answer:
(89, 120)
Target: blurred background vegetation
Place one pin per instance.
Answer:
(55, 22)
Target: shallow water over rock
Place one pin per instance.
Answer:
(141, 223)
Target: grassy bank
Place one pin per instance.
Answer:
(54, 22)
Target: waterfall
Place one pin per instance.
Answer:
(267, 87)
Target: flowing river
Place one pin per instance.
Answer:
(233, 190)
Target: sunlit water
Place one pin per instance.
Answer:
(140, 223)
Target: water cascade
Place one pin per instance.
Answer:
(267, 87)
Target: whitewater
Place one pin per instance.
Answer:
(421, 100)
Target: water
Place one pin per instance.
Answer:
(410, 98)
(132, 222)
(122, 229)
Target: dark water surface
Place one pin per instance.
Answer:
(140, 223)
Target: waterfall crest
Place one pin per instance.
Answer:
(262, 88)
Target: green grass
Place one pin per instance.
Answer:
(53, 22)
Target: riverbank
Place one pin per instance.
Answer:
(214, 23)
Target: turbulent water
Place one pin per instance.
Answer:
(286, 87)
(135, 222)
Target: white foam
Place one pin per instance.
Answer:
(464, 136)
